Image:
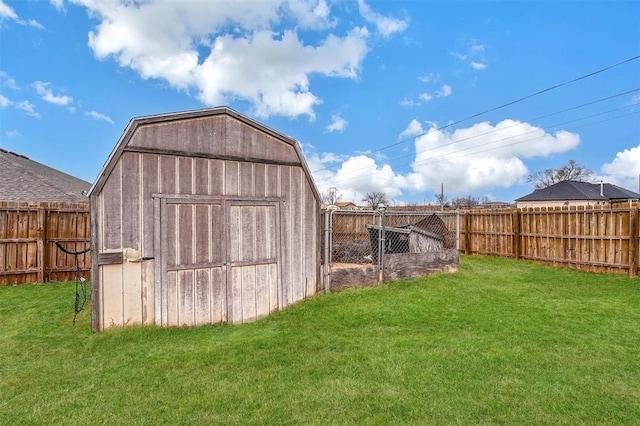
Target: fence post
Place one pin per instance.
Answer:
(327, 251)
(633, 241)
(515, 226)
(467, 232)
(41, 244)
(383, 243)
(458, 230)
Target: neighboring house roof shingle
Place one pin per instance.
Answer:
(574, 190)
(25, 180)
(346, 205)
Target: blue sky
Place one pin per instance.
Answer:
(393, 96)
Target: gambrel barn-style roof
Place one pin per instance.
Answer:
(227, 143)
(25, 180)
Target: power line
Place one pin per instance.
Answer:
(441, 157)
(556, 86)
(506, 128)
(548, 89)
(520, 134)
(427, 160)
(446, 157)
(520, 123)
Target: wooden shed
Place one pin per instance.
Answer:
(202, 217)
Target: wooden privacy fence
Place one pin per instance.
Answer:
(589, 238)
(28, 233)
(592, 239)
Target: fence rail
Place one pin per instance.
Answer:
(28, 233)
(586, 238)
(589, 238)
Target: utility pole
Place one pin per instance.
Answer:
(332, 195)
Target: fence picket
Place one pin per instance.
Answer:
(593, 239)
(588, 238)
(28, 232)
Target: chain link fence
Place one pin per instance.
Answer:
(356, 238)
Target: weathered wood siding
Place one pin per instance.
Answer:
(409, 265)
(420, 243)
(216, 221)
(218, 136)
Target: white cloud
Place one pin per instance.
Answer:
(315, 14)
(4, 102)
(429, 78)
(473, 54)
(47, 94)
(635, 99)
(99, 116)
(7, 12)
(361, 174)
(8, 81)
(274, 73)
(468, 160)
(12, 133)
(385, 25)
(28, 107)
(476, 49)
(409, 103)
(227, 50)
(624, 169)
(482, 156)
(330, 157)
(320, 166)
(58, 4)
(338, 124)
(33, 23)
(414, 128)
(445, 91)
(514, 137)
(354, 176)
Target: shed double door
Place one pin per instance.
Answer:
(219, 261)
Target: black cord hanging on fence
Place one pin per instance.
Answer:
(81, 282)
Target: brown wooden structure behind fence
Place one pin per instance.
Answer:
(592, 239)
(28, 233)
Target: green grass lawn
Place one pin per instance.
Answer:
(500, 342)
